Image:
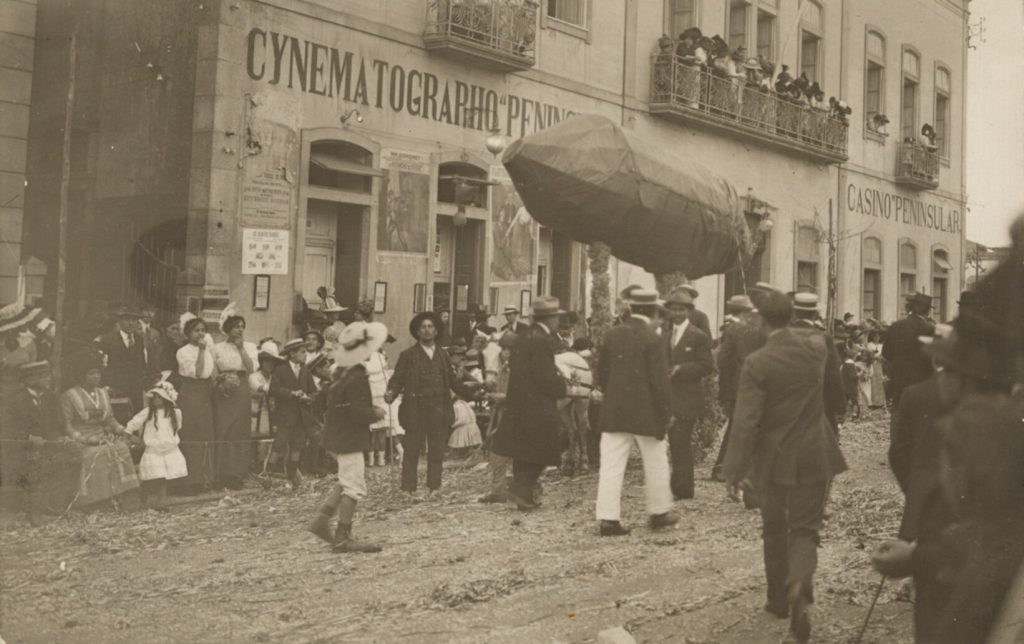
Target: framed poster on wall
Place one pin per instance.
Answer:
(525, 300)
(419, 298)
(261, 293)
(380, 297)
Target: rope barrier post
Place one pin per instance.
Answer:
(62, 225)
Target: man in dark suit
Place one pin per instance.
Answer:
(292, 388)
(690, 361)
(126, 373)
(424, 378)
(512, 323)
(780, 427)
(806, 316)
(529, 431)
(908, 363)
(153, 341)
(632, 374)
(740, 339)
(698, 318)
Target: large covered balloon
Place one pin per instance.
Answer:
(595, 182)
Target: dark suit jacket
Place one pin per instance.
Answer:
(632, 371)
(739, 340)
(529, 429)
(779, 423)
(835, 396)
(908, 363)
(700, 320)
(126, 373)
(413, 362)
(915, 444)
(693, 356)
(24, 417)
(349, 413)
(520, 327)
(288, 410)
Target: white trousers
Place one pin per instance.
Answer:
(614, 456)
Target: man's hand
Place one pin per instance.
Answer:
(893, 558)
(378, 413)
(389, 397)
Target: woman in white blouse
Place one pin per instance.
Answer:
(195, 399)
(235, 360)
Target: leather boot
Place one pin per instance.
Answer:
(380, 458)
(321, 525)
(343, 540)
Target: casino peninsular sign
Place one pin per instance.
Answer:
(313, 68)
(897, 208)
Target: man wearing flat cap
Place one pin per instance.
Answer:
(908, 362)
(529, 430)
(690, 361)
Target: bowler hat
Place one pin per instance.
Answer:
(739, 303)
(31, 371)
(678, 298)
(920, 298)
(805, 302)
(419, 318)
(969, 298)
(292, 345)
(546, 306)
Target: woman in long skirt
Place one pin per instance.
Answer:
(877, 379)
(236, 360)
(195, 399)
(107, 469)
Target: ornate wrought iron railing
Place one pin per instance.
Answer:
(692, 92)
(918, 164)
(507, 27)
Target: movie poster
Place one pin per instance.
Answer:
(515, 234)
(405, 202)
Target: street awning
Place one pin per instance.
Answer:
(941, 263)
(338, 164)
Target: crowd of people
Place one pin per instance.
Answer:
(141, 408)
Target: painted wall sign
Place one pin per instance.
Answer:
(901, 209)
(266, 200)
(405, 203)
(264, 251)
(315, 68)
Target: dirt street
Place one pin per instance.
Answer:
(243, 568)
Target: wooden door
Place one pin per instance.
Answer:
(349, 258)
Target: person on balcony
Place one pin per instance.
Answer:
(928, 135)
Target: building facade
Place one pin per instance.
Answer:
(253, 151)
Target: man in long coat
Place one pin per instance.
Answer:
(690, 361)
(780, 427)
(424, 378)
(529, 431)
(632, 373)
(908, 363)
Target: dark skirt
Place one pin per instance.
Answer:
(195, 399)
(232, 412)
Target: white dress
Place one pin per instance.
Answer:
(377, 370)
(162, 458)
(465, 432)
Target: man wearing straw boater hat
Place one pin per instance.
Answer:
(632, 373)
(529, 431)
(349, 413)
(292, 389)
(512, 323)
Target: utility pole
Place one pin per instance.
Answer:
(830, 306)
(62, 225)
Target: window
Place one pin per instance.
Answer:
(570, 11)
(874, 80)
(738, 23)
(908, 109)
(682, 15)
(765, 32)
(811, 29)
(908, 270)
(808, 259)
(940, 282)
(942, 91)
(871, 285)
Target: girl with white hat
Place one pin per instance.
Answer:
(158, 424)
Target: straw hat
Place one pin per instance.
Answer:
(165, 390)
(269, 351)
(359, 341)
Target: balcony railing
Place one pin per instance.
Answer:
(917, 166)
(697, 97)
(497, 34)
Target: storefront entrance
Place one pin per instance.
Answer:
(465, 263)
(334, 234)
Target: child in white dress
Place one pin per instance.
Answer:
(158, 426)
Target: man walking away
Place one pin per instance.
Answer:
(690, 361)
(528, 433)
(633, 374)
(908, 362)
(780, 427)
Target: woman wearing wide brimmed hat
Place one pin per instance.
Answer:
(107, 469)
(350, 411)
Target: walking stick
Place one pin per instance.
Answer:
(878, 592)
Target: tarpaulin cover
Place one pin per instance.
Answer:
(595, 182)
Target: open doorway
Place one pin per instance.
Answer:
(460, 254)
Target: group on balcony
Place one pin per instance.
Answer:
(704, 73)
(500, 24)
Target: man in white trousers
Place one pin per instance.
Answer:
(632, 376)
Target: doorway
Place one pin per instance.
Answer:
(333, 251)
(458, 270)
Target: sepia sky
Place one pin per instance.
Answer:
(995, 122)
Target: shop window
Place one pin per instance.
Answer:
(908, 270)
(808, 259)
(908, 103)
(942, 91)
(341, 165)
(941, 269)
(680, 15)
(874, 81)
(871, 283)
(462, 184)
(812, 27)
